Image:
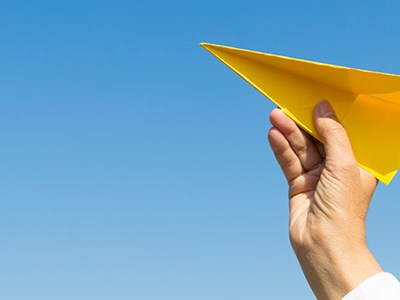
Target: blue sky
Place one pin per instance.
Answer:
(136, 166)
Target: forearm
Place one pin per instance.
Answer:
(332, 271)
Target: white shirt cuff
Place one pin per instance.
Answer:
(381, 286)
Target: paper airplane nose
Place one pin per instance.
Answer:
(367, 103)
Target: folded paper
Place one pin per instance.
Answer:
(366, 102)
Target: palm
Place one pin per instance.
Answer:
(306, 203)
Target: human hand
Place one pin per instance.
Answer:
(329, 199)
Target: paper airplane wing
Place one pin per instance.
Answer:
(367, 103)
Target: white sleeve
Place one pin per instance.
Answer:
(381, 286)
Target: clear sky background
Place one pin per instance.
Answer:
(135, 165)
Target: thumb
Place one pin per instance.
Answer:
(336, 142)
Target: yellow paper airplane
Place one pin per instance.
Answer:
(366, 102)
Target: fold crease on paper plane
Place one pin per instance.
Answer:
(366, 102)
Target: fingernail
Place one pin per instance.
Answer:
(325, 109)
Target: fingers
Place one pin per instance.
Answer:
(287, 159)
(301, 143)
(336, 142)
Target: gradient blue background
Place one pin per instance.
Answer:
(134, 165)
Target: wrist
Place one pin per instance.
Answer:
(334, 269)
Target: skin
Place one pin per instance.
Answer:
(329, 196)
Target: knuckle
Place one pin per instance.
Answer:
(301, 149)
(345, 165)
(335, 129)
(289, 161)
(349, 166)
(329, 127)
